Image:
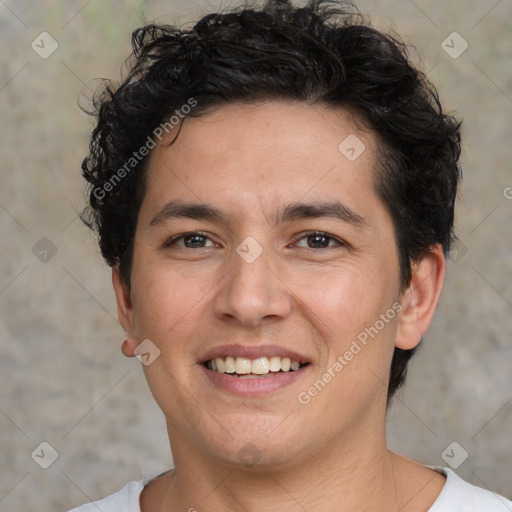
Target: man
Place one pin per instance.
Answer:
(274, 190)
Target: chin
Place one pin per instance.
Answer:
(254, 448)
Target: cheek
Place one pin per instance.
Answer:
(345, 307)
(343, 299)
(165, 301)
(168, 311)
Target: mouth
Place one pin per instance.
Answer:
(253, 370)
(260, 367)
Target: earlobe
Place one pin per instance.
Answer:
(125, 313)
(128, 346)
(420, 300)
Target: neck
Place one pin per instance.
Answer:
(345, 476)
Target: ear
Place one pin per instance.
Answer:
(420, 300)
(125, 313)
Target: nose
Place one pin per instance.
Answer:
(252, 292)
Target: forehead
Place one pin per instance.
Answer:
(255, 156)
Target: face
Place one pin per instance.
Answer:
(261, 243)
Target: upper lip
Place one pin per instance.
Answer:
(252, 352)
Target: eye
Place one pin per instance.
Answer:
(319, 240)
(192, 240)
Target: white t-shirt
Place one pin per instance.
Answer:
(456, 496)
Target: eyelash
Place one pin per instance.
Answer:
(171, 241)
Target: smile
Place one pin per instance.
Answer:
(254, 370)
(243, 367)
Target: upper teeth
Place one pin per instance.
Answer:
(259, 366)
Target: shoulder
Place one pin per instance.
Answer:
(463, 497)
(126, 500)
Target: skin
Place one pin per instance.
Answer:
(328, 455)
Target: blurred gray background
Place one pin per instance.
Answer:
(64, 380)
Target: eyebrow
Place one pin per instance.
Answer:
(293, 211)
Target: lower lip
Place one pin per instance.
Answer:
(256, 386)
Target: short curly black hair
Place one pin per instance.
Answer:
(325, 53)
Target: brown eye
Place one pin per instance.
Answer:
(193, 240)
(319, 240)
